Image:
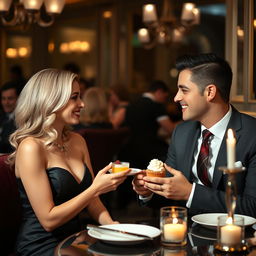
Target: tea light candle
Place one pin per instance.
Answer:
(231, 149)
(230, 234)
(175, 231)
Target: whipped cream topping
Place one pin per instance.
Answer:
(156, 165)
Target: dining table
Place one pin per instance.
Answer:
(200, 241)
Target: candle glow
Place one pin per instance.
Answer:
(175, 231)
(230, 233)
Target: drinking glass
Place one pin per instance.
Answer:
(119, 167)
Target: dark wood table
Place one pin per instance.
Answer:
(200, 241)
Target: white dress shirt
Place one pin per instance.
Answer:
(218, 130)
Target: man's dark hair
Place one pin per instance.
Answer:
(158, 85)
(207, 69)
(10, 85)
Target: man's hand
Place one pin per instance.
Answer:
(139, 185)
(176, 187)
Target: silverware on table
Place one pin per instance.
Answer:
(115, 231)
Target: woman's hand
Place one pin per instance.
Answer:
(105, 182)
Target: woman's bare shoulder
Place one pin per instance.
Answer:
(31, 145)
(30, 156)
(76, 137)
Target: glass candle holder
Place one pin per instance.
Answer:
(119, 167)
(230, 234)
(173, 225)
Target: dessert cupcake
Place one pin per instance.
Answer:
(155, 168)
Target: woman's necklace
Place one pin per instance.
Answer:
(62, 148)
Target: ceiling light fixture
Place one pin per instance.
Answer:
(167, 28)
(26, 12)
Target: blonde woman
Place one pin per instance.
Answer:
(52, 164)
(95, 113)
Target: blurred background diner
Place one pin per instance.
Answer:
(95, 114)
(119, 99)
(9, 93)
(144, 117)
(102, 41)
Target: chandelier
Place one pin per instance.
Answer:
(167, 28)
(26, 12)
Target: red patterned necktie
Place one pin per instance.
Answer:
(203, 160)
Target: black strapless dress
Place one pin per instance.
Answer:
(33, 239)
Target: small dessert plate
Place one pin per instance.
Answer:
(133, 171)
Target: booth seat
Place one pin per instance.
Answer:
(10, 209)
(104, 145)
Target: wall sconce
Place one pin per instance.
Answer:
(21, 52)
(75, 46)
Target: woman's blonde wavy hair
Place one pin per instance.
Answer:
(45, 93)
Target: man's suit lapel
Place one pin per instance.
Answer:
(190, 149)
(235, 124)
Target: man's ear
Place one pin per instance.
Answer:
(211, 91)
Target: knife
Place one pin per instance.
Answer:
(100, 228)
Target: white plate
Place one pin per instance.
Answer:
(203, 233)
(132, 172)
(125, 239)
(210, 220)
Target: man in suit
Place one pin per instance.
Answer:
(204, 84)
(9, 96)
(144, 117)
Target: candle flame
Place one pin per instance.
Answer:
(229, 220)
(175, 221)
(230, 134)
(173, 212)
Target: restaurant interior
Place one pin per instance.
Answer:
(103, 38)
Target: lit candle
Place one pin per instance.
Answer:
(143, 35)
(175, 232)
(230, 233)
(231, 149)
(149, 13)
